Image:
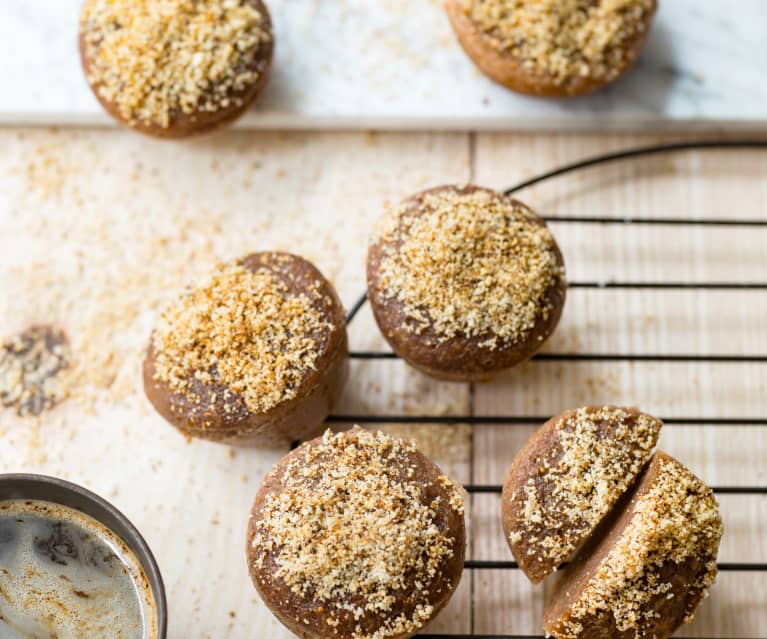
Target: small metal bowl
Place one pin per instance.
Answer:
(64, 493)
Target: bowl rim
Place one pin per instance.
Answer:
(59, 491)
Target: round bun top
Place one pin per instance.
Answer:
(158, 61)
(466, 262)
(564, 39)
(357, 532)
(255, 330)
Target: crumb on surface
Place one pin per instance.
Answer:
(33, 370)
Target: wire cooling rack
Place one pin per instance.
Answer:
(510, 420)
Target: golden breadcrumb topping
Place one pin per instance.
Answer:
(676, 520)
(245, 330)
(154, 59)
(352, 531)
(595, 456)
(565, 38)
(474, 264)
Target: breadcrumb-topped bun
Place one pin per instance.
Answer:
(255, 354)
(464, 282)
(646, 573)
(552, 48)
(356, 535)
(176, 68)
(567, 479)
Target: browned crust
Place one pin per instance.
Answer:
(291, 609)
(670, 609)
(289, 421)
(185, 125)
(459, 358)
(543, 444)
(505, 69)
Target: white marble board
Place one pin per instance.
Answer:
(395, 64)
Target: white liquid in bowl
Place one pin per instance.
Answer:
(65, 576)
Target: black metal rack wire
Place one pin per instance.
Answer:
(474, 420)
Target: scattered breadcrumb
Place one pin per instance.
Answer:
(350, 532)
(564, 38)
(472, 263)
(154, 59)
(241, 328)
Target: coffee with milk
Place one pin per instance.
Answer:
(65, 576)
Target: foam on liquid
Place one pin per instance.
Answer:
(65, 576)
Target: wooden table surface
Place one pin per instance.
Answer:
(99, 228)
